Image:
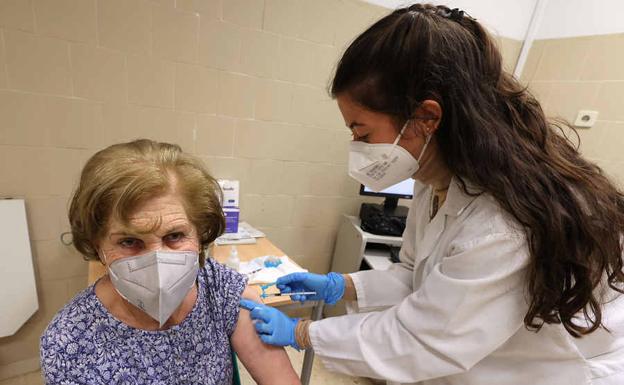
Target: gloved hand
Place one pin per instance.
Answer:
(330, 288)
(273, 326)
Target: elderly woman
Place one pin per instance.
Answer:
(164, 314)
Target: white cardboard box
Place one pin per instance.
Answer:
(231, 192)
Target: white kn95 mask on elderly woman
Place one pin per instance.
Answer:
(381, 165)
(156, 282)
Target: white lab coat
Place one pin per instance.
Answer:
(452, 311)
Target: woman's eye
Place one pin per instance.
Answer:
(174, 237)
(361, 138)
(129, 242)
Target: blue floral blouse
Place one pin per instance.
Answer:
(85, 344)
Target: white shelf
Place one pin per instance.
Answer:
(377, 259)
(378, 263)
(374, 238)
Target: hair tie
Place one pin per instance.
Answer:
(456, 14)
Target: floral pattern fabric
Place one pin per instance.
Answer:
(85, 344)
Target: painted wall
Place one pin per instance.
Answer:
(507, 18)
(577, 62)
(570, 18)
(561, 18)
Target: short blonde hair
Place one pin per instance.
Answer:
(117, 179)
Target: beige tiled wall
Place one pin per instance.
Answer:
(241, 83)
(510, 50)
(584, 73)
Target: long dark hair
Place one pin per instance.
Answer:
(494, 133)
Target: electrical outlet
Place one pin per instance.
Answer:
(586, 118)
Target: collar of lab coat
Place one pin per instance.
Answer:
(456, 199)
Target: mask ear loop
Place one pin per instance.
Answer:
(396, 141)
(104, 256)
(427, 140)
(422, 152)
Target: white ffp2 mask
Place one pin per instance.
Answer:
(156, 282)
(381, 165)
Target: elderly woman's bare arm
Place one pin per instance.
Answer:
(267, 364)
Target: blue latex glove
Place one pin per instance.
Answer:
(330, 288)
(273, 326)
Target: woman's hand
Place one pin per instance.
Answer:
(273, 326)
(329, 288)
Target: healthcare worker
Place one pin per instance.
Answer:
(511, 265)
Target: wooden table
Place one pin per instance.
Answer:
(246, 253)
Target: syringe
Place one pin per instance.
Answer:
(288, 294)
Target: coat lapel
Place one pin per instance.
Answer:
(455, 204)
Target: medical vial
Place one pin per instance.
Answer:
(233, 262)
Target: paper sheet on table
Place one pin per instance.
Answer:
(240, 241)
(251, 231)
(246, 234)
(268, 274)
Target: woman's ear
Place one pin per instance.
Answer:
(99, 253)
(427, 117)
